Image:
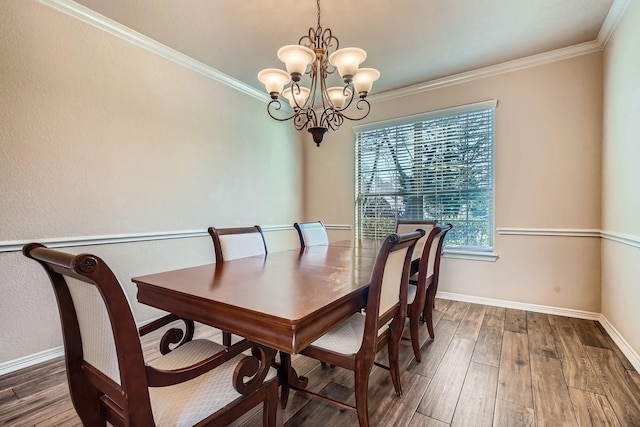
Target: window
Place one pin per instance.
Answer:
(437, 165)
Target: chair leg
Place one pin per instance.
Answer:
(428, 313)
(394, 366)
(414, 323)
(362, 392)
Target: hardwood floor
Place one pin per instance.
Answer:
(487, 366)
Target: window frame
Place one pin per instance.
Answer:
(467, 252)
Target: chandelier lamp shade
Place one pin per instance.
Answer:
(317, 107)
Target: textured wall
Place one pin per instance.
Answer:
(100, 137)
(621, 177)
(547, 176)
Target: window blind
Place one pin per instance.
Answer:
(434, 166)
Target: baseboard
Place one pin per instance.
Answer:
(30, 360)
(634, 358)
(546, 309)
(626, 349)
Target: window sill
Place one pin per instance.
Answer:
(470, 255)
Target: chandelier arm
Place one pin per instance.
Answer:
(296, 86)
(359, 106)
(326, 101)
(301, 119)
(347, 91)
(332, 119)
(275, 105)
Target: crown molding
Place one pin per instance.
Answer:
(492, 70)
(616, 12)
(88, 16)
(112, 27)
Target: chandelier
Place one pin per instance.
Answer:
(317, 107)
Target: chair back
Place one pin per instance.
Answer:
(238, 242)
(432, 268)
(409, 225)
(387, 297)
(312, 233)
(102, 347)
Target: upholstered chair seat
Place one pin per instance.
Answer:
(187, 403)
(346, 338)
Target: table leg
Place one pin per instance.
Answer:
(289, 377)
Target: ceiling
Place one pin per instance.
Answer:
(408, 41)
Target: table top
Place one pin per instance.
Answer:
(285, 300)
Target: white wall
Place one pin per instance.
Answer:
(621, 178)
(99, 137)
(547, 176)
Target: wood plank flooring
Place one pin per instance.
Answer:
(488, 366)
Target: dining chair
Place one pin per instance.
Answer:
(418, 288)
(432, 285)
(408, 225)
(233, 243)
(197, 383)
(354, 343)
(237, 242)
(312, 233)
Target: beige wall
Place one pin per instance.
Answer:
(99, 137)
(621, 178)
(547, 176)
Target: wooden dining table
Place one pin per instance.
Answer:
(284, 300)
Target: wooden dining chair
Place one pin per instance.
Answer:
(234, 243)
(237, 242)
(197, 383)
(354, 343)
(432, 278)
(418, 288)
(312, 233)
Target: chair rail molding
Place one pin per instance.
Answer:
(613, 236)
(67, 242)
(569, 232)
(64, 242)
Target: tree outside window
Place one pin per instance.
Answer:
(439, 166)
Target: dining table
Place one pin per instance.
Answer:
(284, 300)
